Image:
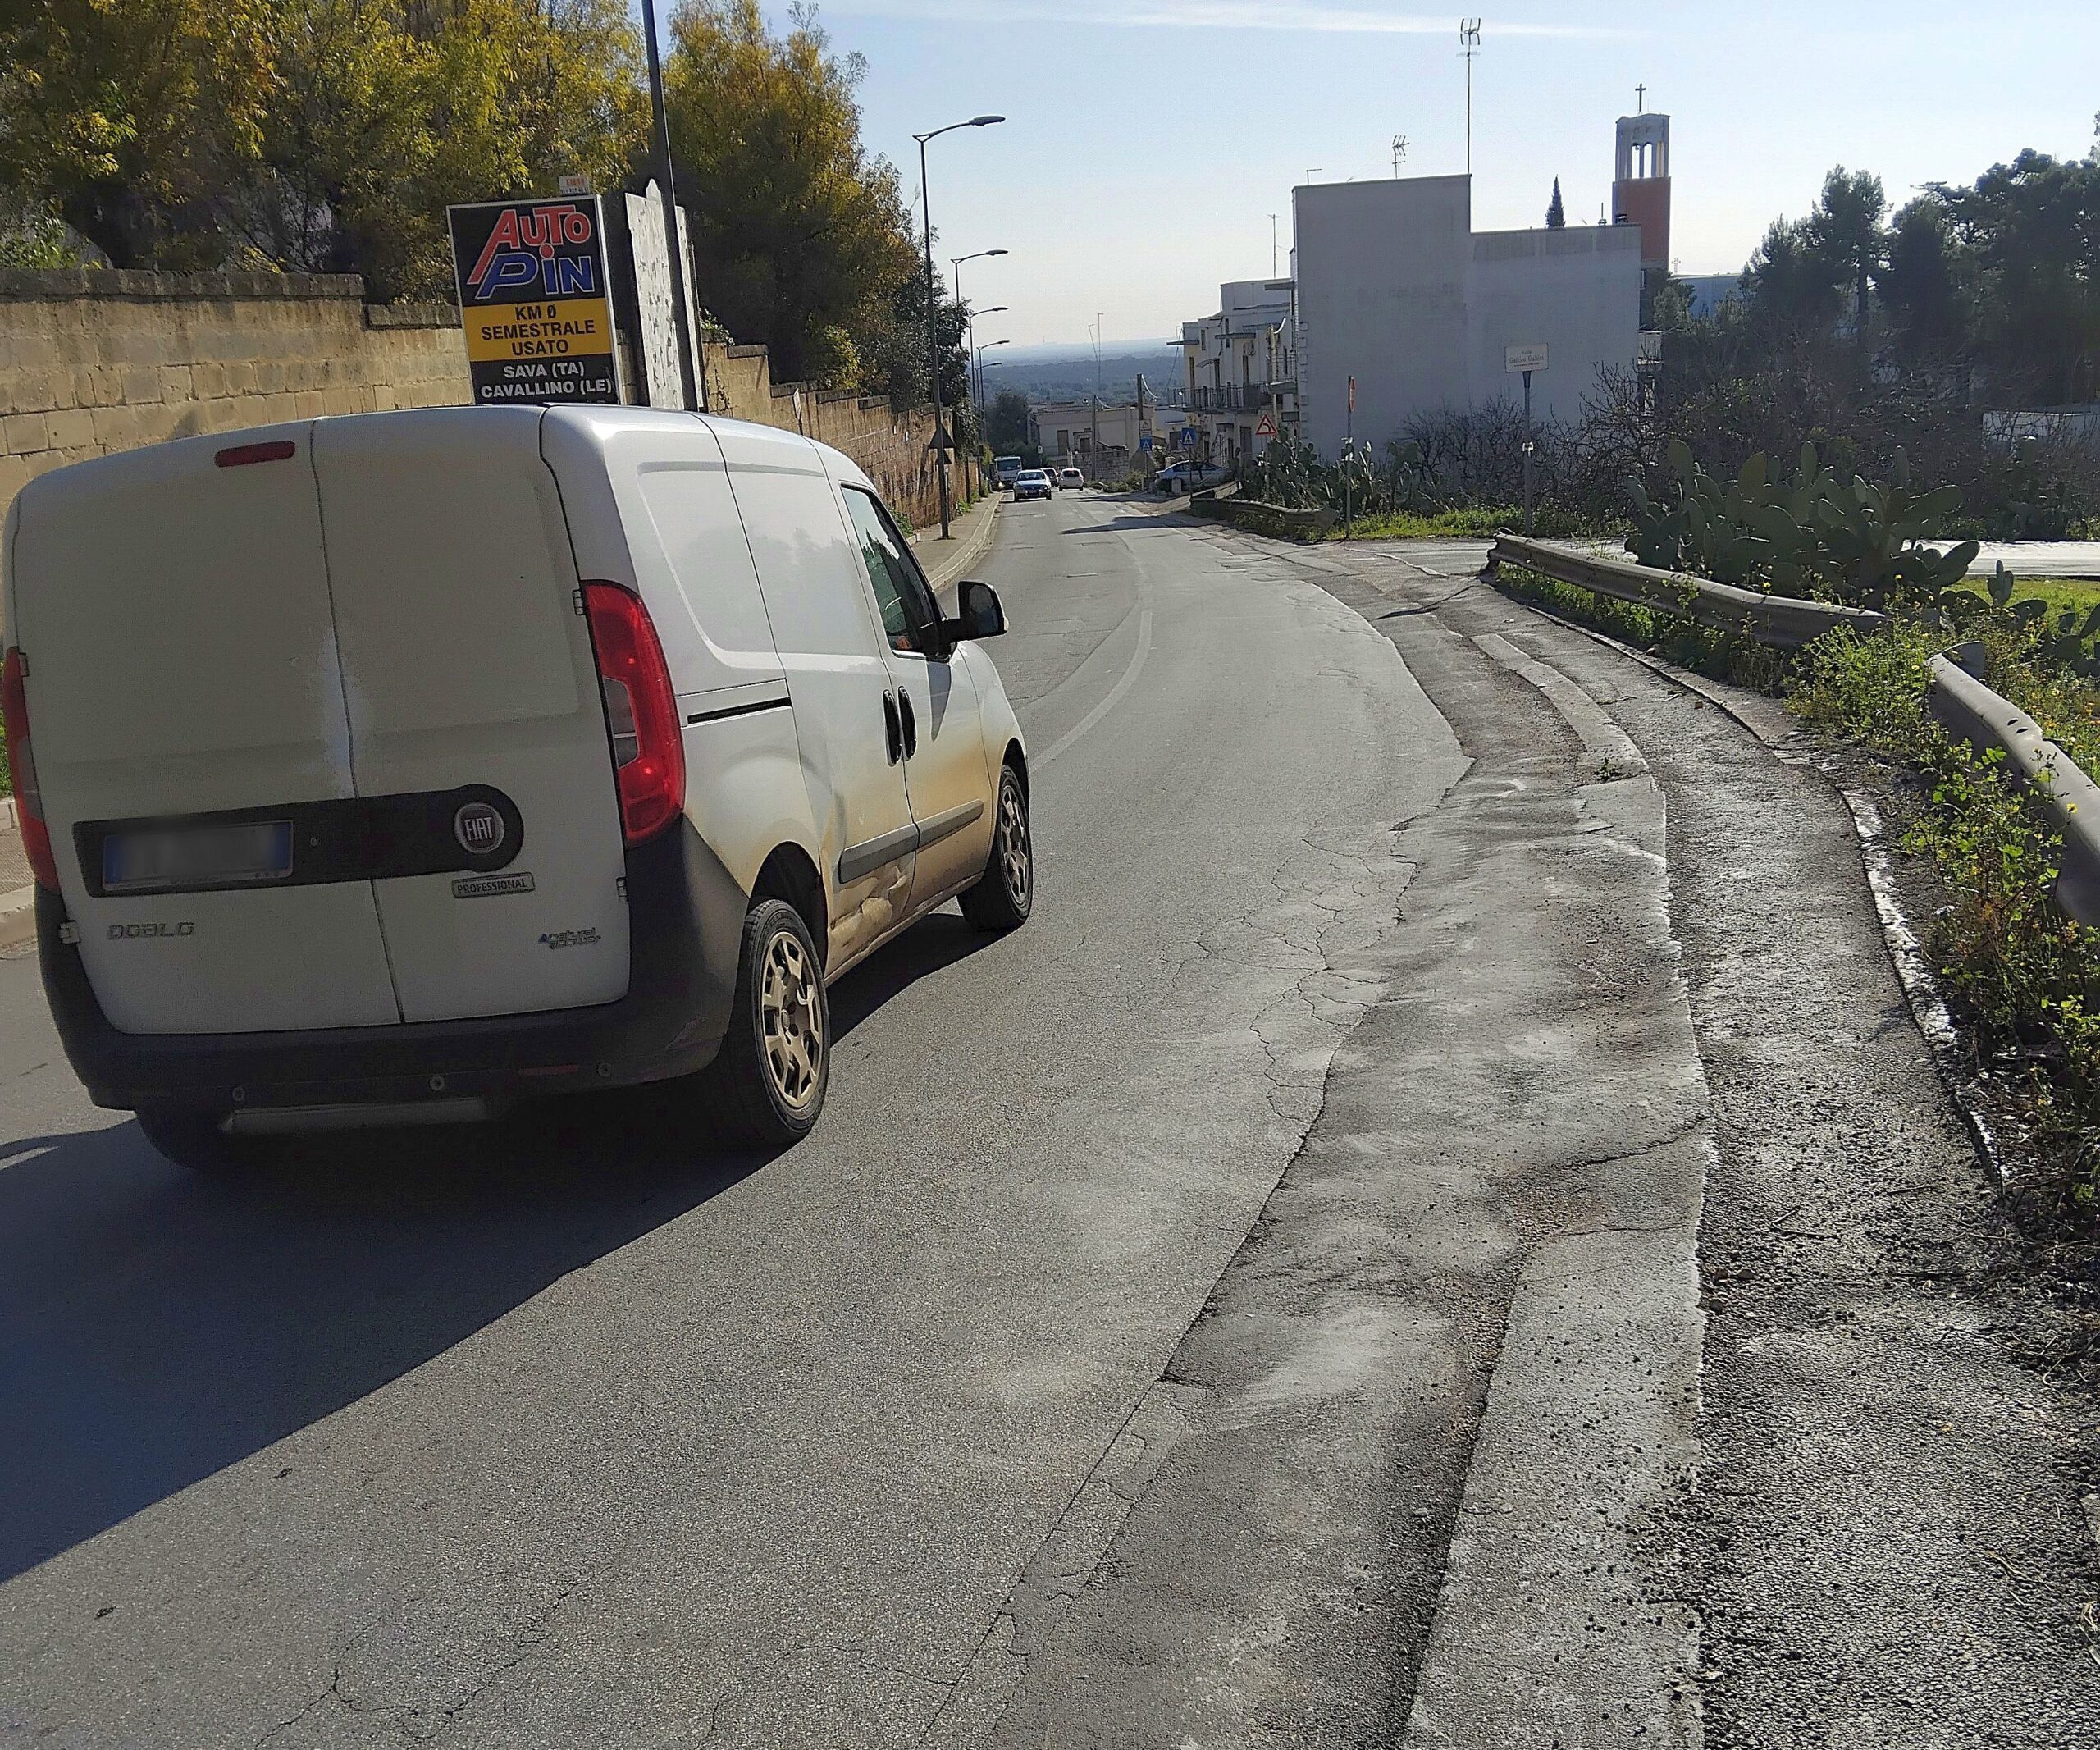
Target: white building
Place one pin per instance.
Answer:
(1242, 369)
(1396, 290)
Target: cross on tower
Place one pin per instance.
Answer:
(1640, 99)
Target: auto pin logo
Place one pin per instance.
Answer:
(479, 827)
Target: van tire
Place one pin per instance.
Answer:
(781, 1008)
(1005, 893)
(193, 1140)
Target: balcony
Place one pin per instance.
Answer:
(1232, 397)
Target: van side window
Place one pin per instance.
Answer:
(909, 618)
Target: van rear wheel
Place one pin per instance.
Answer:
(1005, 893)
(775, 1062)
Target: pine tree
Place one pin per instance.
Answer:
(1556, 215)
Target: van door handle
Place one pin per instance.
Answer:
(911, 725)
(892, 729)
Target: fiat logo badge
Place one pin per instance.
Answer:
(479, 827)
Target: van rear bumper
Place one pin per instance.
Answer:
(685, 922)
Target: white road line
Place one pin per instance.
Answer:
(1115, 694)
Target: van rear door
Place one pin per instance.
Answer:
(471, 683)
(172, 606)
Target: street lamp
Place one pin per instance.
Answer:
(981, 352)
(933, 313)
(978, 391)
(969, 315)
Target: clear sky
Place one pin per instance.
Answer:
(1147, 141)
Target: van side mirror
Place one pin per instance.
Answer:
(978, 614)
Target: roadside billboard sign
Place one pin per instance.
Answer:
(537, 302)
(1517, 358)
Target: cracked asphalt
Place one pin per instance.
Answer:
(1317, 1284)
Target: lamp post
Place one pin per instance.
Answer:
(980, 352)
(969, 315)
(977, 393)
(933, 308)
(691, 398)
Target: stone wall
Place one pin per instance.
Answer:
(92, 361)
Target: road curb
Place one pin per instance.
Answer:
(17, 915)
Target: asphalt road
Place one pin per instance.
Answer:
(567, 1435)
(1440, 1232)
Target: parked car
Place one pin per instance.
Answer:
(397, 767)
(1033, 483)
(1069, 479)
(1008, 469)
(1189, 476)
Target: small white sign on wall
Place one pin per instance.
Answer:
(1515, 359)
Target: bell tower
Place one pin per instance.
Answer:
(1640, 194)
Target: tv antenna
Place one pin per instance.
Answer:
(1399, 151)
(1272, 245)
(1469, 47)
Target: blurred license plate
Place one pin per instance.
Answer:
(230, 856)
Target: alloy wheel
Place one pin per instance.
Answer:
(791, 1011)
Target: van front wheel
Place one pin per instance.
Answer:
(769, 1079)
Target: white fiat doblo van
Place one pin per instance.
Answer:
(397, 766)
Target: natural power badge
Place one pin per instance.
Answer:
(536, 300)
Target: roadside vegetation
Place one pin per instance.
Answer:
(328, 136)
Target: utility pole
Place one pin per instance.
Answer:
(693, 398)
(1469, 47)
(1528, 448)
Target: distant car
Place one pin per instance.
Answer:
(1069, 479)
(1189, 476)
(1032, 482)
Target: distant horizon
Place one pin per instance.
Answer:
(1119, 214)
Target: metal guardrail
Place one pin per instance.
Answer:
(1968, 709)
(1961, 703)
(1782, 620)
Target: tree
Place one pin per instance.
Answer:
(126, 118)
(801, 235)
(318, 135)
(1917, 282)
(1788, 284)
(1006, 422)
(1845, 232)
(2028, 234)
(1556, 215)
(388, 110)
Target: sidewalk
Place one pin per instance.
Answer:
(17, 895)
(945, 562)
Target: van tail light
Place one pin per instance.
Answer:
(29, 800)
(641, 714)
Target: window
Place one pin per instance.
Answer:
(909, 618)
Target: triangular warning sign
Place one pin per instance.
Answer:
(1265, 426)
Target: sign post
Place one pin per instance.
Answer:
(536, 300)
(1348, 450)
(1524, 360)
